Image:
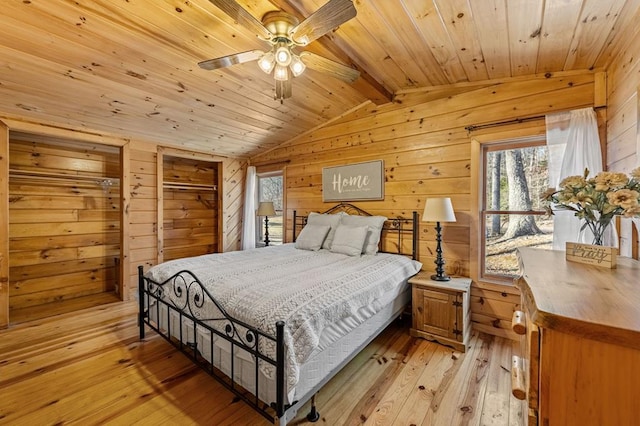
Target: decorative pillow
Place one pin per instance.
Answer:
(311, 237)
(333, 220)
(349, 239)
(375, 224)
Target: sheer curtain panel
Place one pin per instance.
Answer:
(249, 211)
(574, 145)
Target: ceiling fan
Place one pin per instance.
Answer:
(285, 33)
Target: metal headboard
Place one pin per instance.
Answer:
(402, 227)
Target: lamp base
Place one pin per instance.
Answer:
(437, 277)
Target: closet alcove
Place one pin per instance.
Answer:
(188, 205)
(64, 225)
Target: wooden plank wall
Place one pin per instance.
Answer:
(64, 221)
(426, 152)
(143, 226)
(623, 83)
(623, 136)
(4, 225)
(144, 238)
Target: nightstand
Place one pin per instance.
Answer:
(440, 310)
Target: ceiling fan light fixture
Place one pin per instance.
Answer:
(267, 62)
(281, 73)
(283, 54)
(297, 66)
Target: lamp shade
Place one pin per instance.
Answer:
(265, 208)
(438, 210)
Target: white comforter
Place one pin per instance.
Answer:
(307, 290)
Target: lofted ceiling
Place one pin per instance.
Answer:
(129, 67)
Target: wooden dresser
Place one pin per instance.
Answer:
(580, 328)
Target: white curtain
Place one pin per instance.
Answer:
(574, 145)
(249, 211)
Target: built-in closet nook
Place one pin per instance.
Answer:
(64, 225)
(188, 208)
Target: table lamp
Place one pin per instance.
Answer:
(439, 210)
(265, 208)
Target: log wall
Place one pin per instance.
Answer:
(427, 153)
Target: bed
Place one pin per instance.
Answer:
(274, 324)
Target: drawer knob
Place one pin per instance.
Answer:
(518, 387)
(518, 322)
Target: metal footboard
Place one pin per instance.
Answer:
(183, 297)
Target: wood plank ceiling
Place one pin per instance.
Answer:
(129, 67)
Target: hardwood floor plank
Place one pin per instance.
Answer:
(456, 388)
(343, 407)
(495, 409)
(376, 392)
(47, 310)
(90, 368)
(45, 331)
(431, 379)
(404, 383)
(75, 391)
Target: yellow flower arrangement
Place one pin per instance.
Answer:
(597, 200)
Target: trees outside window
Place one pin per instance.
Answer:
(515, 176)
(270, 188)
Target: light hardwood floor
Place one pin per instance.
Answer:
(90, 368)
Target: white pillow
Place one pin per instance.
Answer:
(375, 224)
(349, 239)
(311, 237)
(333, 220)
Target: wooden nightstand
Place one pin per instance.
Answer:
(440, 310)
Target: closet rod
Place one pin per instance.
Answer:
(100, 180)
(473, 127)
(201, 187)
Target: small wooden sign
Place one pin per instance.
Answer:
(592, 255)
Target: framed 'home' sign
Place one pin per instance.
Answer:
(352, 182)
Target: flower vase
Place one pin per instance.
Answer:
(599, 234)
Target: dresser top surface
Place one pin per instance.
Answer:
(591, 301)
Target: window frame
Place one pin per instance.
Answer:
(279, 212)
(479, 168)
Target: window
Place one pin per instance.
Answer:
(270, 188)
(515, 175)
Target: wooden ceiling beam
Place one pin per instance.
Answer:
(367, 85)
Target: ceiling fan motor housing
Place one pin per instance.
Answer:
(280, 24)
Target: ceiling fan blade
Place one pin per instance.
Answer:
(226, 61)
(325, 65)
(242, 17)
(333, 14)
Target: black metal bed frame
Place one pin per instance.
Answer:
(190, 295)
